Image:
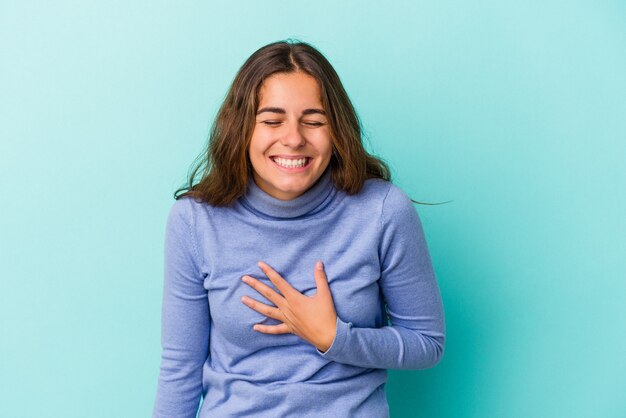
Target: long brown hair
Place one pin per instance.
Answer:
(226, 166)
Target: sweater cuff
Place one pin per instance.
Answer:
(336, 347)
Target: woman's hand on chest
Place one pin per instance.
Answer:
(313, 318)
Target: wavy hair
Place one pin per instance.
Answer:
(226, 166)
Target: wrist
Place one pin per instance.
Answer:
(328, 340)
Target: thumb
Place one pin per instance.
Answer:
(321, 281)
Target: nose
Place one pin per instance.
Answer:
(292, 136)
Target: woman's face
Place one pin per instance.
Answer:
(291, 143)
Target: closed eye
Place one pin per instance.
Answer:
(276, 123)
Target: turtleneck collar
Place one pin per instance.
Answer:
(315, 199)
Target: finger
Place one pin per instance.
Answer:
(269, 293)
(321, 281)
(270, 311)
(272, 329)
(282, 284)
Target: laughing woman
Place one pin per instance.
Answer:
(295, 272)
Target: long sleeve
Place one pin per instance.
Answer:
(415, 339)
(184, 322)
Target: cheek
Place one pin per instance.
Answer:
(324, 145)
(257, 147)
(322, 142)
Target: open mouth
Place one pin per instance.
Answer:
(292, 163)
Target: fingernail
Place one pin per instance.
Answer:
(319, 265)
(244, 279)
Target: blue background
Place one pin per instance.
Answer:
(512, 110)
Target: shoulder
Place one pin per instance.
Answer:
(388, 202)
(183, 210)
(375, 189)
(180, 208)
(396, 200)
(391, 197)
(396, 207)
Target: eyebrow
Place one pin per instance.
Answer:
(282, 111)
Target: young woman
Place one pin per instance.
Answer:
(285, 262)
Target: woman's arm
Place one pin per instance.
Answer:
(184, 321)
(416, 337)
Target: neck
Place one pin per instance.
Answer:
(306, 204)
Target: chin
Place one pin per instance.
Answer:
(294, 187)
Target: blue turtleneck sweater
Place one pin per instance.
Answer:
(378, 268)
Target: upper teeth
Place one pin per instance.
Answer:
(300, 162)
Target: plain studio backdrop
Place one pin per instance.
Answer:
(512, 110)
